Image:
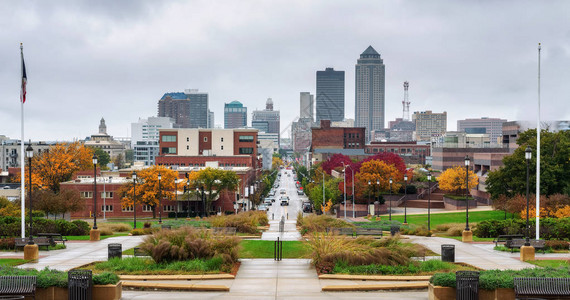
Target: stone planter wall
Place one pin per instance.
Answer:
(452, 204)
(100, 292)
(447, 293)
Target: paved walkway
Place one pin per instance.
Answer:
(80, 253)
(474, 254)
(290, 231)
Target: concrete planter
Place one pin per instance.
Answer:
(452, 204)
(100, 292)
(447, 293)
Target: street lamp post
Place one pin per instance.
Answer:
(377, 199)
(135, 199)
(176, 195)
(188, 196)
(324, 204)
(94, 234)
(159, 200)
(344, 173)
(429, 199)
(368, 207)
(31, 251)
(203, 202)
(467, 235)
(527, 251)
(405, 200)
(390, 215)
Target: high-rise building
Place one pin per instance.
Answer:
(272, 117)
(235, 115)
(330, 95)
(307, 106)
(429, 125)
(370, 94)
(188, 109)
(211, 119)
(144, 141)
(491, 126)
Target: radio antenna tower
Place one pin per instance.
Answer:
(406, 103)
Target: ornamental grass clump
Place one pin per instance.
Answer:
(245, 222)
(320, 223)
(189, 243)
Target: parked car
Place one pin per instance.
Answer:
(284, 200)
(268, 200)
(262, 207)
(300, 192)
(282, 192)
(307, 207)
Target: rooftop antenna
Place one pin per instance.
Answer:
(406, 103)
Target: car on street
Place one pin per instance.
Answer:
(268, 200)
(284, 201)
(282, 192)
(262, 207)
(300, 192)
(307, 207)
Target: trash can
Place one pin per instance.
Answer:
(394, 229)
(448, 252)
(80, 285)
(467, 285)
(115, 250)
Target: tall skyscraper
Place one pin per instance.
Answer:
(370, 94)
(188, 109)
(272, 117)
(307, 106)
(211, 119)
(235, 115)
(330, 95)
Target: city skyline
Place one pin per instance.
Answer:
(90, 60)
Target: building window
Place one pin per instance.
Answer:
(188, 139)
(168, 150)
(221, 139)
(106, 194)
(147, 208)
(222, 147)
(205, 139)
(169, 138)
(187, 147)
(106, 207)
(246, 138)
(127, 208)
(86, 194)
(245, 150)
(168, 208)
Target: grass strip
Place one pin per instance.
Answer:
(264, 249)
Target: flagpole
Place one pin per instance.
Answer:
(22, 167)
(538, 155)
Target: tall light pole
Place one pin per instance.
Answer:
(135, 198)
(527, 251)
(324, 201)
(188, 196)
(176, 195)
(353, 200)
(429, 199)
(377, 184)
(31, 251)
(94, 234)
(344, 173)
(390, 218)
(368, 207)
(405, 200)
(159, 200)
(467, 235)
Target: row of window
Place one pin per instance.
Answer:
(90, 194)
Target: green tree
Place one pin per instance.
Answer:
(103, 157)
(510, 179)
(315, 192)
(214, 181)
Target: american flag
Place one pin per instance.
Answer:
(24, 81)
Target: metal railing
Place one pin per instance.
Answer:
(278, 250)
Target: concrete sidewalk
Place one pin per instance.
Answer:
(80, 253)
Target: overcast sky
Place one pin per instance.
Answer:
(115, 59)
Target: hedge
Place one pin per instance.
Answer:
(550, 228)
(48, 278)
(10, 226)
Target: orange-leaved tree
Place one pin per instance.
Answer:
(378, 171)
(453, 180)
(147, 187)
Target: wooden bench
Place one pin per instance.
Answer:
(56, 237)
(18, 286)
(40, 241)
(507, 237)
(517, 243)
(224, 230)
(539, 287)
(341, 230)
(138, 252)
(369, 231)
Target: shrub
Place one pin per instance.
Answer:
(7, 244)
(557, 245)
(105, 278)
(550, 228)
(138, 231)
(105, 231)
(443, 227)
(455, 230)
(320, 223)
(414, 267)
(245, 222)
(119, 227)
(146, 225)
(81, 228)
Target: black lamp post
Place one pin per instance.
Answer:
(527, 156)
(405, 200)
(203, 202)
(135, 199)
(429, 199)
(390, 199)
(188, 196)
(159, 200)
(176, 195)
(467, 161)
(197, 194)
(369, 183)
(30, 154)
(94, 191)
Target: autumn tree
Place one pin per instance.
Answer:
(453, 180)
(147, 187)
(335, 161)
(276, 162)
(388, 157)
(9, 208)
(58, 203)
(213, 182)
(58, 164)
(378, 171)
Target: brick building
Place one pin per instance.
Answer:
(411, 152)
(327, 137)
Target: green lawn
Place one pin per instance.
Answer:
(12, 261)
(554, 263)
(86, 237)
(264, 249)
(446, 218)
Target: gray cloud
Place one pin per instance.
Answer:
(115, 59)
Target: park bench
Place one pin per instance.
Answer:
(40, 241)
(138, 252)
(166, 226)
(224, 230)
(517, 243)
(539, 287)
(18, 286)
(507, 237)
(341, 230)
(369, 231)
(56, 237)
